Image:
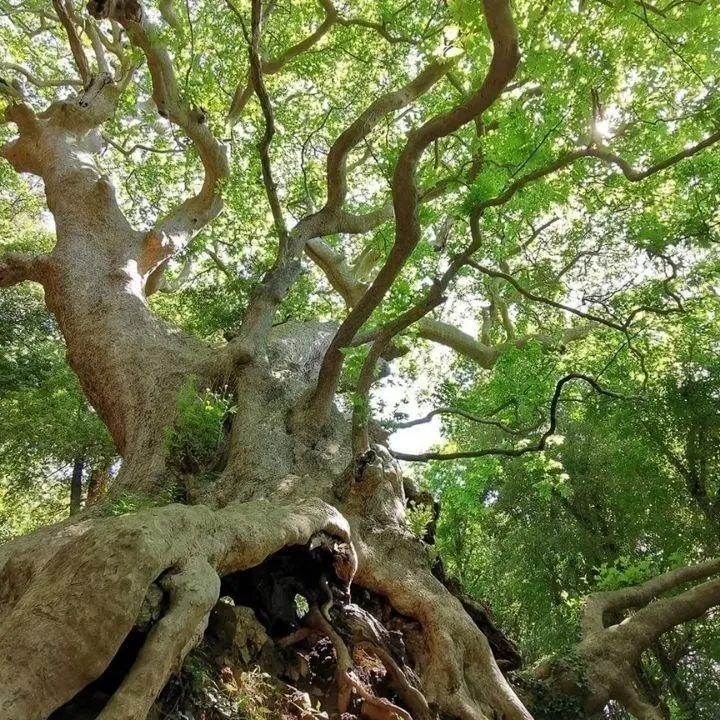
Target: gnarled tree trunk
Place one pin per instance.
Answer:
(70, 594)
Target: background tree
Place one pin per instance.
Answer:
(256, 207)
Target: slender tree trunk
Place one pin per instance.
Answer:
(76, 486)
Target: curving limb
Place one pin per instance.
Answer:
(40, 82)
(613, 640)
(331, 219)
(366, 121)
(519, 451)
(473, 417)
(631, 174)
(81, 63)
(245, 90)
(173, 232)
(405, 195)
(597, 606)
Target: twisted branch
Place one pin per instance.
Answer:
(172, 232)
(405, 195)
(518, 452)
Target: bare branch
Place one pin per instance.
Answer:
(517, 452)
(344, 278)
(382, 30)
(128, 151)
(545, 301)
(39, 82)
(630, 173)
(464, 414)
(648, 624)
(244, 91)
(264, 145)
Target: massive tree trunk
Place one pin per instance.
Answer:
(70, 594)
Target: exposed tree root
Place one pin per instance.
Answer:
(80, 589)
(193, 591)
(374, 708)
(458, 672)
(362, 630)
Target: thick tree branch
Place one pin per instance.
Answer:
(330, 220)
(597, 605)
(612, 644)
(338, 272)
(384, 105)
(76, 47)
(42, 146)
(98, 47)
(383, 336)
(172, 232)
(487, 355)
(18, 267)
(648, 624)
(405, 194)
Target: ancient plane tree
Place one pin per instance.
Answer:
(382, 151)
